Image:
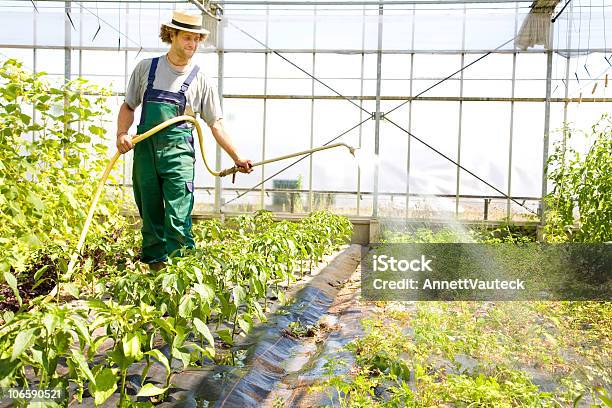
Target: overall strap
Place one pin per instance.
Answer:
(187, 82)
(152, 70)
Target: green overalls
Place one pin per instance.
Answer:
(163, 173)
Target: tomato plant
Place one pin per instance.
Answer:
(580, 205)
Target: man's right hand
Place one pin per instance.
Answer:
(124, 143)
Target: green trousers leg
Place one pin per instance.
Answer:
(176, 169)
(163, 190)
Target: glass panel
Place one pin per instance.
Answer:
(435, 123)
(527, 143)
(287, 131)
(397, 28)
(50, 61)
(430, 33)
(243, 118)
(243, 73)
(487, 29)
(286, 79)
(293, 29)
(335, 169)
(484, 147)
(237, 22)
(18, 29)
(24, 55)
(531, 77)
(329, 34)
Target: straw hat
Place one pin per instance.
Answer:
(182, 20)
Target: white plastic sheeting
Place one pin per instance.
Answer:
(424, 27)
(338, 36)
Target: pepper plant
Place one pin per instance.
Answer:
(48, 164)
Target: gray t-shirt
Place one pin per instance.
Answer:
(202, 96)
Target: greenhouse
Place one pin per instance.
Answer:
(287, 203)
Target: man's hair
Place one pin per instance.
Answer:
(165, 33)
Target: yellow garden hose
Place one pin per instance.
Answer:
(139, 138)
(109, 167)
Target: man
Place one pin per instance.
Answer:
(163, 169)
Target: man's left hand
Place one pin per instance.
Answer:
(244, 166)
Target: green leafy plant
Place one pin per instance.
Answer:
(49, 162)
(580, 205)
(40, 340)
(48, 170)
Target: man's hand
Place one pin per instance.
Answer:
(244, 166)
(124, 143)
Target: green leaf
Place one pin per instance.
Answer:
(97, 130)
(226, 336)
(244, 325)
(12, 282)
(208, 351)
(131, 346)
(149, 390)
(602, 395)
(203, 330)
(198, 273)
(239, 295)
(31, 240)
(205, 291)
(161, 358)
(8, 316)
(50, 321)
(183, 355)
(165, 325)
(95, 345)
(23, 341)
(79, 359)
(72, 289)
(104, 386)
(35, 201)
(40, 271)
(119, 359)
(185, 306)
(25, 118)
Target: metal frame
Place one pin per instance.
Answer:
(302, 50)
(420, 98)
(378, 98)
(511, 136)
(408, 145)
(218, 158)
(377, 114)
(358, 203)
(265, 116)
(546, 131)
(460, 122)
(359, 3)
(312, 110)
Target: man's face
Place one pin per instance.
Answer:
(185, 43)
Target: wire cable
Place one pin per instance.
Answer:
(298, 67)
(451, 75)
(297, 161)
(458, 165)
(117, 30)
(560, 12)
(410, 134)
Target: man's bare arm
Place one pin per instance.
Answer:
(124, 121)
